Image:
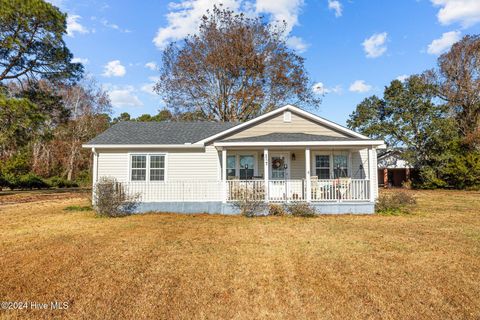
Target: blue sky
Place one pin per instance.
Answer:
(353, 48)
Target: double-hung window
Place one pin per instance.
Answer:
(340, 166)
(240, 166)
(139, 168)
(322, 166)
(157, 167)
(246, 167)
(328, 166)
(231, 167)
(153, 164)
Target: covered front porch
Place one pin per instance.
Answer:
(310, 173)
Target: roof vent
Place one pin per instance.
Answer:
(287, 116)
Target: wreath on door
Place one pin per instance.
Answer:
(277, 163)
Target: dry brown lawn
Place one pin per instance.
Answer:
(162, 266)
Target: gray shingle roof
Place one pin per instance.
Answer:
(291, 137)
(132, 132)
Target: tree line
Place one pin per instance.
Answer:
(48, 107)
(233, 69)
(434, 117)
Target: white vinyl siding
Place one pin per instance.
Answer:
(193, 164)
(179, 164)
(113, 164)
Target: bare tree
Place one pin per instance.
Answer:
(458, 81)
(234, 69)
(88, 105)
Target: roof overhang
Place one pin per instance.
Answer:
(144, 146)
(356, 143)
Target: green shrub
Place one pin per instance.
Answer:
(84, 178)
(17, 165)
(463, 172)
(301, 209)
(59, 182)
(395, 203)
(3, 182)
(276, 210)
(28, 181)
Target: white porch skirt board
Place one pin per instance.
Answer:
(218, 207)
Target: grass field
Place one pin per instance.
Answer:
(159, 266)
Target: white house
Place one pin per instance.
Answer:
(286, 155)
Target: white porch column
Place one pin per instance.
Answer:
(224, 175)
(265, 172)
(371, 183)
(308, 174)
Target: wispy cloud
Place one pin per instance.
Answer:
(297, 44)
(320, 89)
(360, 86)
(74, 26)
(123, 96)
(114, 68)
(80, 60)
(374, 46)
(336, 6)
(152, 65)
(444, 43)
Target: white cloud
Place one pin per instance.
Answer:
(80, 60)
(466, 12)
(184, 17)
(297, 44)
(114, 69)
(114, 26)
(444, 43)
(402, 77)
(375, 45)
(335, 6)
(320, 89)
(281, 10)
(73, 26)
(122, 97)
(148, 87)
(152, 65)
(360, 86)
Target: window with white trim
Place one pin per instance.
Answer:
(157, 167)
(139, 167)
(331, 166)
(154, 164)
(241, 166)
(340, 166)
(246, 167)
(322, 166)
(231, 167)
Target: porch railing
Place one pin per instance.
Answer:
(340, 190)
(324, 190)
(328, 190)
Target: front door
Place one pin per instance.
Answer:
(279, 172)
(279, 166)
